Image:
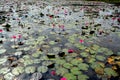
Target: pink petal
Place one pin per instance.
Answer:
(53, 72)
(70, 51)
(81, 41)
(1, 30)
(63, 78)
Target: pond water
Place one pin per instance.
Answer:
(76, 46)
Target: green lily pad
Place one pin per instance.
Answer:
(61, 71)
(2, 51)
(110, 72)
(9, 76)
(60, 61)
(76, 61)
(75, 71)
(18, 70)
(28, 62)
(83, 77)
(83, 66)
(52, 43)
(42, 69)
(3, 60)
(84, 54)
(30, 69)
(70, 76)
(67, 65)
(4, 70)
(100, 58)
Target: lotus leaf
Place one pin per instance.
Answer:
(4, 70)
(108, 52)
(68, 58)
(97, 65)
(70, 76)
(9, 76)
(26, 57)
(76, 61)
(60, 61)
(110, 72)
(67, 65)
(18, 70)
(83, 77)
(99, 70)
(42, 69)
(61, 71)
(56, 49)
(46, 63)
(84, 54)
(92, 52)
(36, 61)
(52, 43)
(26, 48)
(91, 60)
(36, 76)
(80, 46)
(18, 53)
(83, 66)
(3, 60)
(30, 69)
(100, 58)
(28, 62)
(73, 54)
(2, 51)
(75, 71)
(35, 55)
(95, 47)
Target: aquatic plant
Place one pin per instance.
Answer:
(52, 43)
(83, 66)
(3, 60)
(30, 69)
(28, 62)
(63, 78)
(53, 72)
(70, 76)
(61, 71)
(110, 72)
(18, 53)
(76, 61)
(84, 54)
(83, 77)
(18, 70)
(81, 41)
(75, 71)
(36, 76)
(70, 50)
(67, 65)
(4, 70)
(9, 76)
(42, 69)
(100, 58)
(2, 51)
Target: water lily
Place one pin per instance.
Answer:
(70, 51)
(81, 41)
(1, 30)
(14, 37)
(63, 78)
(53, 72)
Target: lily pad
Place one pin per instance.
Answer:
(42, 69)
(84, 54)
(83, 66)
(3, 60)
(83, 77)
(67, 65)
(2, 51)
(9, 76)
(61, 71)
(110, 72)
(75, 71)
(18, 70)
(30, 69)
(4, 70)
(76, 61)
(70, 76)
(100, 58)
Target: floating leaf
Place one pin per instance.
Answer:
(76, 61)
(83, 66)
(9, 76)
(61, 71)
(30, 69)
(67, 65)
(83, 77)
(70, 76)
(3, 60)
(110, 72)
(42, 69)
(18, 70)
(4, 70)
(100, 58)
(84, 54)
(75, 71)
(2, 51)
(60, 61)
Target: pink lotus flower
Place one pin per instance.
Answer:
(113, 18)
(19, 36)
(70, 51)
(53, 72)
(1, 30)
(81, 41)
(14, 37)
(63, 78)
